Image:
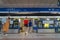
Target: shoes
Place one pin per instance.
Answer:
(26, 33)
(5, 34)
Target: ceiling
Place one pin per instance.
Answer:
(28, 3)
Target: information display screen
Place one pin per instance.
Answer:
(50, 22)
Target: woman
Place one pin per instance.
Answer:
(6, 26)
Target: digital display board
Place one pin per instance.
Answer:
(50, 22)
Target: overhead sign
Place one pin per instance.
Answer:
(29, 10)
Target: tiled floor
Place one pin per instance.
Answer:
(34, 39)
(32, 36)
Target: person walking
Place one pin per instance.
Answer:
(6, 26)
(26, 21)
(30, 26)
(0, 25)
(19, 27)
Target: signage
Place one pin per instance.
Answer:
(29, 10)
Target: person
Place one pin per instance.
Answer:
(35, 28)
(26, 21)
(6, 26)
(3, 23)
(30, 26)
(0, 25)
(19, 28)
(11, 23)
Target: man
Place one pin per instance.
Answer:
(0, 25)
(26, 21)
(11, 23)
(30, 26)
(19, 28)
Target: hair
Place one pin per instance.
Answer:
(8, 17)
(29, 20)
(26, 17)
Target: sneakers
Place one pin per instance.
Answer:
(26, 33)
(5, 34)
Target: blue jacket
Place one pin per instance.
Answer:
(30, 24)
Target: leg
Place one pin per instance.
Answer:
(30, 29)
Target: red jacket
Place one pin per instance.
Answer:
(26, 21)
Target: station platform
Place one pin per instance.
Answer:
(31, 36)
